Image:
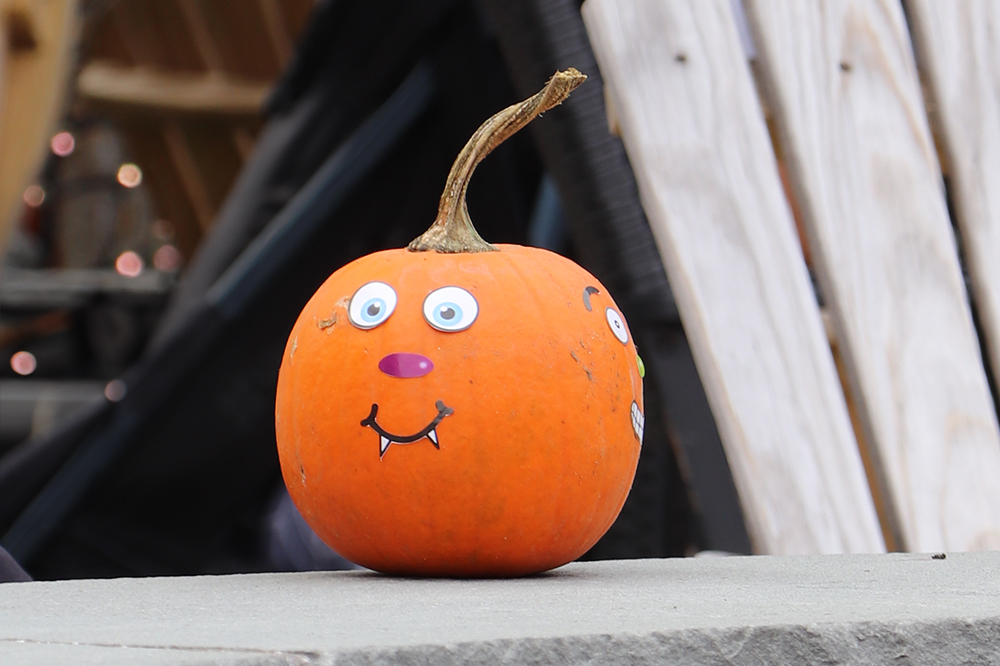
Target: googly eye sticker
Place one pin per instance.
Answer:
(617, 325)
(371, 305)
(450, 309)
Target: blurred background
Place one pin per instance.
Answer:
(178, 176)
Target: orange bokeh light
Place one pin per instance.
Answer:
(130, 175)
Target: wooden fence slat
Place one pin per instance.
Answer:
(958, 48)
(695, 135)
(33, 80)
(843, 86)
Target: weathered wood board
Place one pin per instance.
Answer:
(842, 84)
(36, 58)
(696, 137)
(171, 92)
(958, 50)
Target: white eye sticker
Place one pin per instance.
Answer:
(450, 309)
(371, 305)
(617, 325)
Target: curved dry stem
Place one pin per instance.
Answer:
(452, 230)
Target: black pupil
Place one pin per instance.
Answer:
(374, 309)
(447, 312)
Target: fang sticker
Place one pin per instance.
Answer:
(638, 421)
(387, 438)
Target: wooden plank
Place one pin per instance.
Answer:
(6, 46)
(107, 43)
(218, 158)
(958, 49)
(244, 141)
(34, 75)
(202, 36)
(241, 33)
(277, 31)
(134, 29)
(843, 88)
(171, 91)
(296, 13)
(190, 175)
(707, 177)
(155, 34)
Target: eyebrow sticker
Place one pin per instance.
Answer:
(587, 291)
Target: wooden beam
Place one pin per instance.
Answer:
(277, 31)
(708, 179)
(244, 142)
(187, 168)
(171, 91)
(123, 18)
(203, 40)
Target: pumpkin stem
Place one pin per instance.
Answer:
(452, 230)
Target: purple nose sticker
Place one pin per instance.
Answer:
(403, 364)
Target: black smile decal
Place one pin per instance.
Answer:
(387, 438)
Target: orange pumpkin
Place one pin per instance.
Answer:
(457, 408)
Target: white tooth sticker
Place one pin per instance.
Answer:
(386, 438)
(638, 421)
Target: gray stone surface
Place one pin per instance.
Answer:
(900, 609)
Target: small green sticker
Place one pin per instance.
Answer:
(642, 366)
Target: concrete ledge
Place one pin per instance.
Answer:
(906, 609)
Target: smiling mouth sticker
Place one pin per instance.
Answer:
(638, 421)
(387, 438)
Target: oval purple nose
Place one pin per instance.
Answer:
(403, 364)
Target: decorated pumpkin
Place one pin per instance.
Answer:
(457, 408)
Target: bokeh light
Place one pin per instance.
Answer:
(167, 259)
(23, 363)
(115, 390)
(34, 195)
(129, 264)
(130, 175)
(63, 144)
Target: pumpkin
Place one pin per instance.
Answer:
(457, 408)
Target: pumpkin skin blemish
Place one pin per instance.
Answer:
(438, 433)
(326, 324)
